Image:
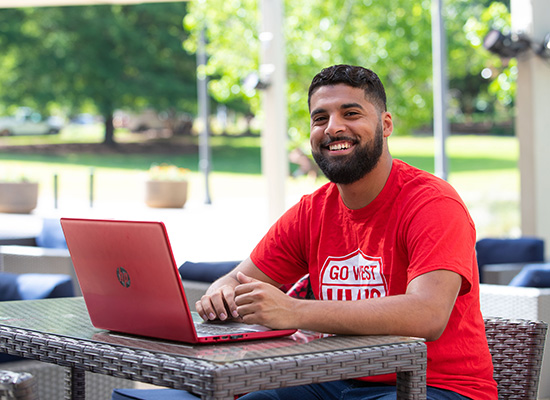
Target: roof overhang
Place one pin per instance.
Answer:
(55, 3)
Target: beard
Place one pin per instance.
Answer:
(350, 168)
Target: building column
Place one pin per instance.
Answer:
(274, 131)
(532, 17)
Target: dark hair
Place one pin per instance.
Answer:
(353, 76)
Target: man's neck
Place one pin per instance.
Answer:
(361, 193)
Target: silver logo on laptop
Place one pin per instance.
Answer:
(123, 277)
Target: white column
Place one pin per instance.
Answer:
(440, 90)
(274, 133)
(533, 120)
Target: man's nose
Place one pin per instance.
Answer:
(335, 126)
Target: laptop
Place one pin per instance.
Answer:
(131, 284)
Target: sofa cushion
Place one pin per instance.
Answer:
(205, 271)
(9, 288)
(533, 275)
(45, 286)
(500, 251)
(51, 236)
(34, 286)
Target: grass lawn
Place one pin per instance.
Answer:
(483, 169)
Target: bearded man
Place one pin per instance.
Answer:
(389, 249)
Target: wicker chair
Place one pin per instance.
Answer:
(17, 386)
(516, 347)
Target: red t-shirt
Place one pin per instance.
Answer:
(417, 224)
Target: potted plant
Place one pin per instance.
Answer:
(18, 196)
(167, 186)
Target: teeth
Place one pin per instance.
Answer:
(339, 146)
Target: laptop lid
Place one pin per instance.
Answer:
(131, 283)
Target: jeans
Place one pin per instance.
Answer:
(344, 390)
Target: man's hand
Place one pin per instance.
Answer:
(262, 303)
(219, 300)
(218, 303)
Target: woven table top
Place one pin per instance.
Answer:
(68, 317)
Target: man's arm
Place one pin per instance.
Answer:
(218, 302)
(423, 311)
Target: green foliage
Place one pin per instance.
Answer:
(102, 58)
(105, 57)
(392, 37)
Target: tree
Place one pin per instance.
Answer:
(393, 37)
(107, 57)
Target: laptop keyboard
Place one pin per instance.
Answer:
(213, 329)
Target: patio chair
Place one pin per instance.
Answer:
(516, 347)
(17, 386)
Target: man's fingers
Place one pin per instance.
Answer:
(219, 304)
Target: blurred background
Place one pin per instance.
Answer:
(92, 97)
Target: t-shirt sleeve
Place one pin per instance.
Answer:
(281, 252)
(441, 235)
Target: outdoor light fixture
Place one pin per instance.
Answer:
(512, 45)
(261, 80)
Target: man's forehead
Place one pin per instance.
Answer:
(341, 96)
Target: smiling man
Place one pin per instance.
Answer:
(389, 249)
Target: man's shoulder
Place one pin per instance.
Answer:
(326, 189)
(316, 203)
(414, 178)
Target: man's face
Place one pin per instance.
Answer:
(347, 133)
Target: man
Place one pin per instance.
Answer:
(389, 250)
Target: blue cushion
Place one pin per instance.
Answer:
(51, 235)
(533, 275)
(152, 394)
(499, 251)
(206, 271)
(34, 286)
(45, 286)
(9, 289)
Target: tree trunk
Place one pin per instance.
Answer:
(109, 130)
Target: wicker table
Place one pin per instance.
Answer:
(59, 331)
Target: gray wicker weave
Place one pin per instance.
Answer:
(524, 303)
(58, 331)
(516, 347)
(17, 386)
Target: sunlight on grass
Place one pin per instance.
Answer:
(483, 169)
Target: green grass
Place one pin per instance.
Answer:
(483, 169)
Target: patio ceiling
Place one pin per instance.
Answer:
(52, 3)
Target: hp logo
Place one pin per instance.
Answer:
(123, 277)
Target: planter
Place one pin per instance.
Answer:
(18, 197)
(166, 194)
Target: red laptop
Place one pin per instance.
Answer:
(131, 283)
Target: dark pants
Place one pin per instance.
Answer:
(343, 390)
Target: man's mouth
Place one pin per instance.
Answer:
(339, 145)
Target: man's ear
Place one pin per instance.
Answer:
(387, 123)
